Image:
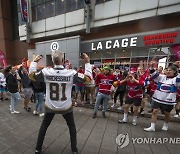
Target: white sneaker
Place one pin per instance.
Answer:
(41, 114)
(10, 107)
(134, 122)
(35, 112)
(149, 129)
(122, 121)
(142, 113)
(113, 106)
(165, 127)
(120, 108)
(15, 112)
(176, 115)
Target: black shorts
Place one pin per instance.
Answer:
(134, 101)
(162, 107)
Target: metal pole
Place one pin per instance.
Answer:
(28, 23)
(87, 12)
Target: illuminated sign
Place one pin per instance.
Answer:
(160, 39)
(113, 44)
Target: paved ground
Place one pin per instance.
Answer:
(18, 134)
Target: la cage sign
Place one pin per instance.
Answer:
(113, 44)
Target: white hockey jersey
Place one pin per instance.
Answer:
(59, 82)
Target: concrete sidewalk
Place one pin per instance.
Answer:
(18, 133)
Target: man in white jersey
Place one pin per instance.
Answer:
(59, 82)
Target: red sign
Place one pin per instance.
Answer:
(160, 39)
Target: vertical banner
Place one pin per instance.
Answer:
(3, 59)
(24, 10)
(176, 51)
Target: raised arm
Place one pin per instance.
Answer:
(33, 74)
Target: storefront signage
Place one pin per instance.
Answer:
(160, 39)
(54, 46)
(149, 39)
(113, 44)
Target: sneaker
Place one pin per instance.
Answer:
(176, 115)
(134, 122)
(149, 129)
(37, 152)
(10, 107)
(103, 114)
(41, 114)
(165, 127)
(35, 112)
(120, 108)
(94, 115)
(27, 108)
(122, 121)
(142, 113)
(15, 112)
(113, 106)
(75, 104)
(74, 152)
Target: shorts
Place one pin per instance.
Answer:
(80, 89)
(3, 89)
(27, 92)
(134, 101)
(162, 107)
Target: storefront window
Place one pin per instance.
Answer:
(126, 58)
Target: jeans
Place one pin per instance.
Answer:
(45, 124)
(15, 99)
(40, 98)
(121, 97)
(99, 97)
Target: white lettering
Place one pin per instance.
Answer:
(124, 42)
(146, 140)
(92, 47)
(172, 140)
(116, 44)
(159, 141)
(108, 44)
(99, 46)
(140, 140)
(133, 42)
(153, 140)
(165, 140)
(134, 140)
(177, 140)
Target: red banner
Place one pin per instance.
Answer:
(176, 51)
(3, 59)
(24, 10)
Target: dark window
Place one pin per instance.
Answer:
(70, 5)
(102, 1)
(60, 7)
(40, 12)
(42, 9)
(80, 4)
(50, 8)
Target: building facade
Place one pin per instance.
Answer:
(13, 50)
(120, 33)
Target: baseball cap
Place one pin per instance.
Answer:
(107, 68)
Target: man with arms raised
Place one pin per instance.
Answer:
(59, 82)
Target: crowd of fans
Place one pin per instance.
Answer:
(135, 88)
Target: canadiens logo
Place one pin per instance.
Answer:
(165, 88)
(105, 81)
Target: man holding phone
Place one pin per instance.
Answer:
(59, 82)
